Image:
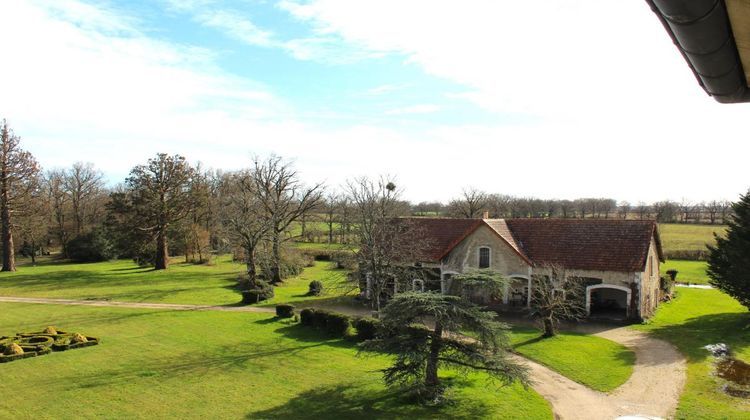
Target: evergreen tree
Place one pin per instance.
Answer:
(729, 259)
(420, 350)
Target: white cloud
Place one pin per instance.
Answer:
(384, 89)
(414, 109)
(237, 27)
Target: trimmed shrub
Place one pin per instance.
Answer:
(306, 317)
(320, 319)
(315, 288)
(284, 311)
(366, 327)
(13, 349)
(337, 324)
(50, 330)
(262, 291)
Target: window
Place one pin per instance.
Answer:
(417, 285)
(650, 266)
(484, 257)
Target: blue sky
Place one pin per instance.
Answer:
(547, 98)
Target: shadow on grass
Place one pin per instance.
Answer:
(358, 401)
(694, 333)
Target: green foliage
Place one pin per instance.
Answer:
(91, 247)
(729, 261)
(307, 317)
(480, 286)
(337, 324)
(284, 311)
(367, 327)
(419, 351)
(258, 292)
(316, 288)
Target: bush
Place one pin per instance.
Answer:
(260, 292)
(337, 324)
(306, 317)
(292, 264)
(315, 288)
(91, 247)
(366, 327)
(691, 255)
(344, 259)
(320, 319)
(284, 311)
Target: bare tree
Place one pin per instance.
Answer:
(284, 199)
(686, 210)
(59, 203)
(623, 209)
(18, 180)
(330, 207)
(643, 210)
(242, 215)
(567, 208)
(470, 205)
(712, 210)
(160, 197)
(388, 245)
(32, 224)
(725, 209)
(83, 183)
(555, 296)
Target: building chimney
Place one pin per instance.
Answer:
(486, 215)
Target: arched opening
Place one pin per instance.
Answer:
(608, 301)
(518, 291)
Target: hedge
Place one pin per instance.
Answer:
(284, 311)
(306, 317)
(333, 323)
(40, 343)
(366, 327)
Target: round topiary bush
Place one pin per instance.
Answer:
(284, 311)
(262, 291)
(366, 327)
(78, 338)
(337, 324)
(315, 288)
(50, 330)
(306, 317)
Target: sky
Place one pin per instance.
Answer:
(582, 98)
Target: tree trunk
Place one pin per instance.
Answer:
(33, 252)
(250, 263)
(549, 328)
(276, 259)
(9, 256)
(162, 252)
(431, 380)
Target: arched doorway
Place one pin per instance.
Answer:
(608, 301)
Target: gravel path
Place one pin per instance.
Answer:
(653, 389)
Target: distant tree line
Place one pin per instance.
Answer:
(169, 206)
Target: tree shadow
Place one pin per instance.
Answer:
(695, 333)
(305, 334)
(359, 401)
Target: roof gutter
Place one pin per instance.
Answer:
(702, 32)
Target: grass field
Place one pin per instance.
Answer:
(596, 362)
(697, 318)
(182, 283)
(336, 287)
(693, 272)
(172, 364)
(687, 237)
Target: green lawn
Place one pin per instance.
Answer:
(182, 283)
(336, 288)
(697, 318)
(596, 362)
(687, 237)
(185, 364)
(321, 246)
(687, 271)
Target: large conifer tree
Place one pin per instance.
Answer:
(729, 260)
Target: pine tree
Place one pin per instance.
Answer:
(729, 259)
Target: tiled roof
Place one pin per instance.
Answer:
(607, 245)
(590, 244)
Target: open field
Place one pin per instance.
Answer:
(697, 318)
(693, 272)
(596, 362)
(159, 364)
(186, 283)
(688, 237)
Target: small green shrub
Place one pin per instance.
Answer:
(315, 288)
(320, 319)
(306, 317)
(91, 247)
(284, 311)
(262, 291)
(338, 324)
(366, 327)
